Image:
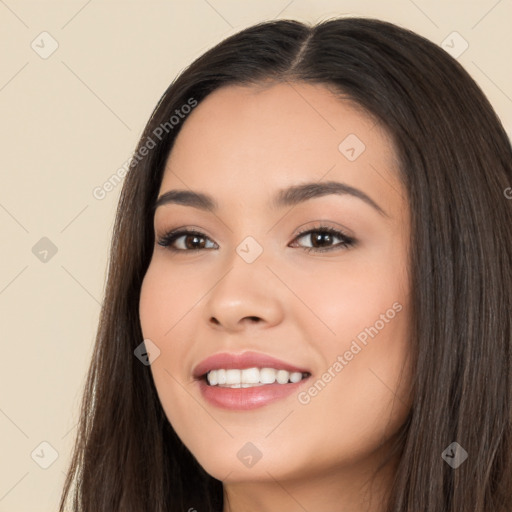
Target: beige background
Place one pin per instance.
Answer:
(67, 123)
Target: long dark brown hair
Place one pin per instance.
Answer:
(455, 164)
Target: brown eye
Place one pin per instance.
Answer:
(322, 238)
(189, 241)
(193, 241)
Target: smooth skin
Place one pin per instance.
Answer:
(241, 145)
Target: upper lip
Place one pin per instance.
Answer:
(242, 361)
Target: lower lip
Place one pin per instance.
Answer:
(242, 399)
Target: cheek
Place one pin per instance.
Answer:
(150, 303)
(342, 298)
(165, 309)
(165, 298)
(361, 395)
(369, 392)
(362, 315)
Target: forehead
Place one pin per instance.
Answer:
(242, 140)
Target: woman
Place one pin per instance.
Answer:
(309, 291)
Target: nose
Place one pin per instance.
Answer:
(246, 295)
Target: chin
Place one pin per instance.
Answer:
(240, 461)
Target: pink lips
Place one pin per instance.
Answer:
(241, 362)
(245, 398)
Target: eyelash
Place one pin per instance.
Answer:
(168, 238)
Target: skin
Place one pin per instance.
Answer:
(240, 145)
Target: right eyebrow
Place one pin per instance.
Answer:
(187, 198)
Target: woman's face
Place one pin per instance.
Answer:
(247, 283)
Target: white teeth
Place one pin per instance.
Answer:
(268, 375)
(296, 377)
(233, 376)
(213, 378)
(221, 376)
(250, 377)
(282, 376)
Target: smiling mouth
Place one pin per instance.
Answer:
(251, 377)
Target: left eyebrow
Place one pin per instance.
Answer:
(299, 193)
(286, 197)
